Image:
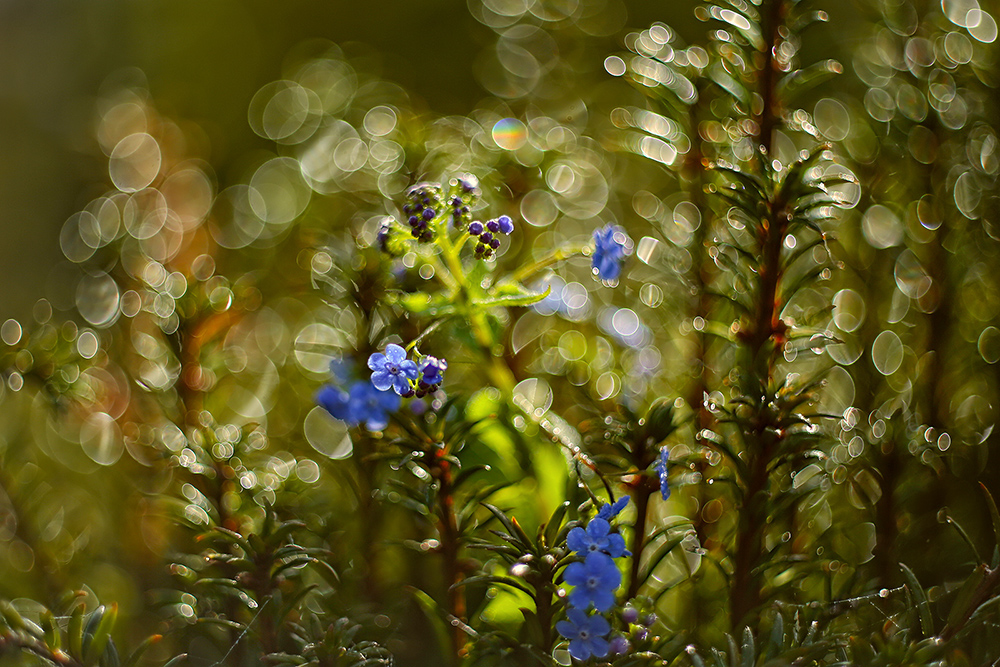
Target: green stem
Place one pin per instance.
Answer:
(553, 257)
(498, 372)
(452, 259)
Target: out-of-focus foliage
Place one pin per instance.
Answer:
(767, 440)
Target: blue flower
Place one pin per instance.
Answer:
(371, 406)
(586, 634)
(392, 369)
(595, 580)
(661, 469)
(362, 403)
(335, 401)
(596, 538)
(431, 369)
(609, 512)
(506, 224)
(611, 244)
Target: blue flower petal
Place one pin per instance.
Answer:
(579, 649)
(577, 540)
(382, 380)
(394, 353)
(599, 647)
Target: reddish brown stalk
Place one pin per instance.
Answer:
(763, 341)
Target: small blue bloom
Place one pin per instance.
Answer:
(630, 615)
(383, 236)
(596, 538)
(586, 634)
(475, 228)
(611, 244)
(619, 645)
(362, 403)
(392, 369)
(336, 402)
(595, 580)
(431, 369)
(506, 224)
(609, 512)
(371, 406)
(661, 469)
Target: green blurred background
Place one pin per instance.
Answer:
(203, 62)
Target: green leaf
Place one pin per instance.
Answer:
(52, 636)
(749, 649)
(433, 613)
(510, 298)
(994, 514)
(74, 632)
(495, 579)
(777, 639)
(923, 606)
(141, 649)
(803, 79)
(110, 657)
(420, 303)
(98, 632)
(964, 598)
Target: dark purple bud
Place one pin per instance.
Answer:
(429, 213)
(465, 210)
(384, 232)
(630, 615)
(649, 619)
(485, 237)
(618, 645)
(407, 209)
(495, 243)
(641, 634)
(413, 220)
(506, 224)
(493, 226)
(475, 228)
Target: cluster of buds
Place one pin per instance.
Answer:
(424, 203)
(462, 195)
(430, 378)
(489, 234)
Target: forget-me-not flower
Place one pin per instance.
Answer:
(392, 370)
(586, 634)
(336, 401)
(362, 403)
(431, 369)
(597, 537)
(595, 581)
(611, 244)
(610, 511)
(661, 469)
(372, 406)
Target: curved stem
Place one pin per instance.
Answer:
(553, 257)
